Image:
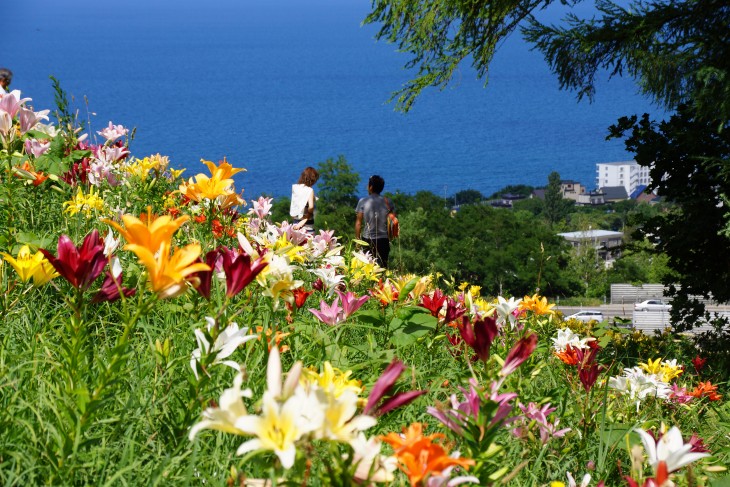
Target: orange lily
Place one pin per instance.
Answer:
(168, 272)
(537, 305)
(150, 234)
(223, 171)
(706, 389)
(419, 456)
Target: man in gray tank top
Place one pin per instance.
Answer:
(371, 225)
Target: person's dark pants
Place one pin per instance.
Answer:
(380, 248)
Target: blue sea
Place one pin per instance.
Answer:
(276, 85)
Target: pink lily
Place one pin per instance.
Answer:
(29, 118)
(261, 207)
(113, 132)
(350, 302)
(329, 315)
(6, 123)
(11, 102)
(37, 147)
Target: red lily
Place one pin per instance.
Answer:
(699, 363)
(79, 266)
(300, 296)
(383, 385)
(239, 270)
(479, 335)
(433, 303)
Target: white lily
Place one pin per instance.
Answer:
(371, 465)
(227, 341)
(224, 417)
(669, 449)
(505, 309)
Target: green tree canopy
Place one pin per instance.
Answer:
(676, 50)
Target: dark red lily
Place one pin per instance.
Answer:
(383, 385)
(79, 266)
(239, 270)
(112, 289)
(318, 285)
(205, 278)
(520, 352)
(479, 335)
(433, 303)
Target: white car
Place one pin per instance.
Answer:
(586, 316)
(652, 305)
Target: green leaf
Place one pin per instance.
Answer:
(371, 317)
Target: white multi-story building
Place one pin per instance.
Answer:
(628, 174)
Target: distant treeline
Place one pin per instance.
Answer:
(504, 250)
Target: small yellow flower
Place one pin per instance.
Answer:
(486, 308)
(30, 266)
(84, 203)
(362, 268)
(176, 173)
(557, 483)
(141, 167)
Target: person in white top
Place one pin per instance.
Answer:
(302, 200)
(6, 76)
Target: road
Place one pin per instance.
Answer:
(625, 310)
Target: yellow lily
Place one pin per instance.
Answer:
(652, 366)
(30, 266)
(148, 234)
(84, 203)
(331, 379)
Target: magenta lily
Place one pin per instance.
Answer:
(460, 412)
(205, 278)
(79, 266)
(479, 335)
(239, 269)
(520, 352)
(383, 385)
(112, 289)
(350, 303)
(329, 314)
(454, 310)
